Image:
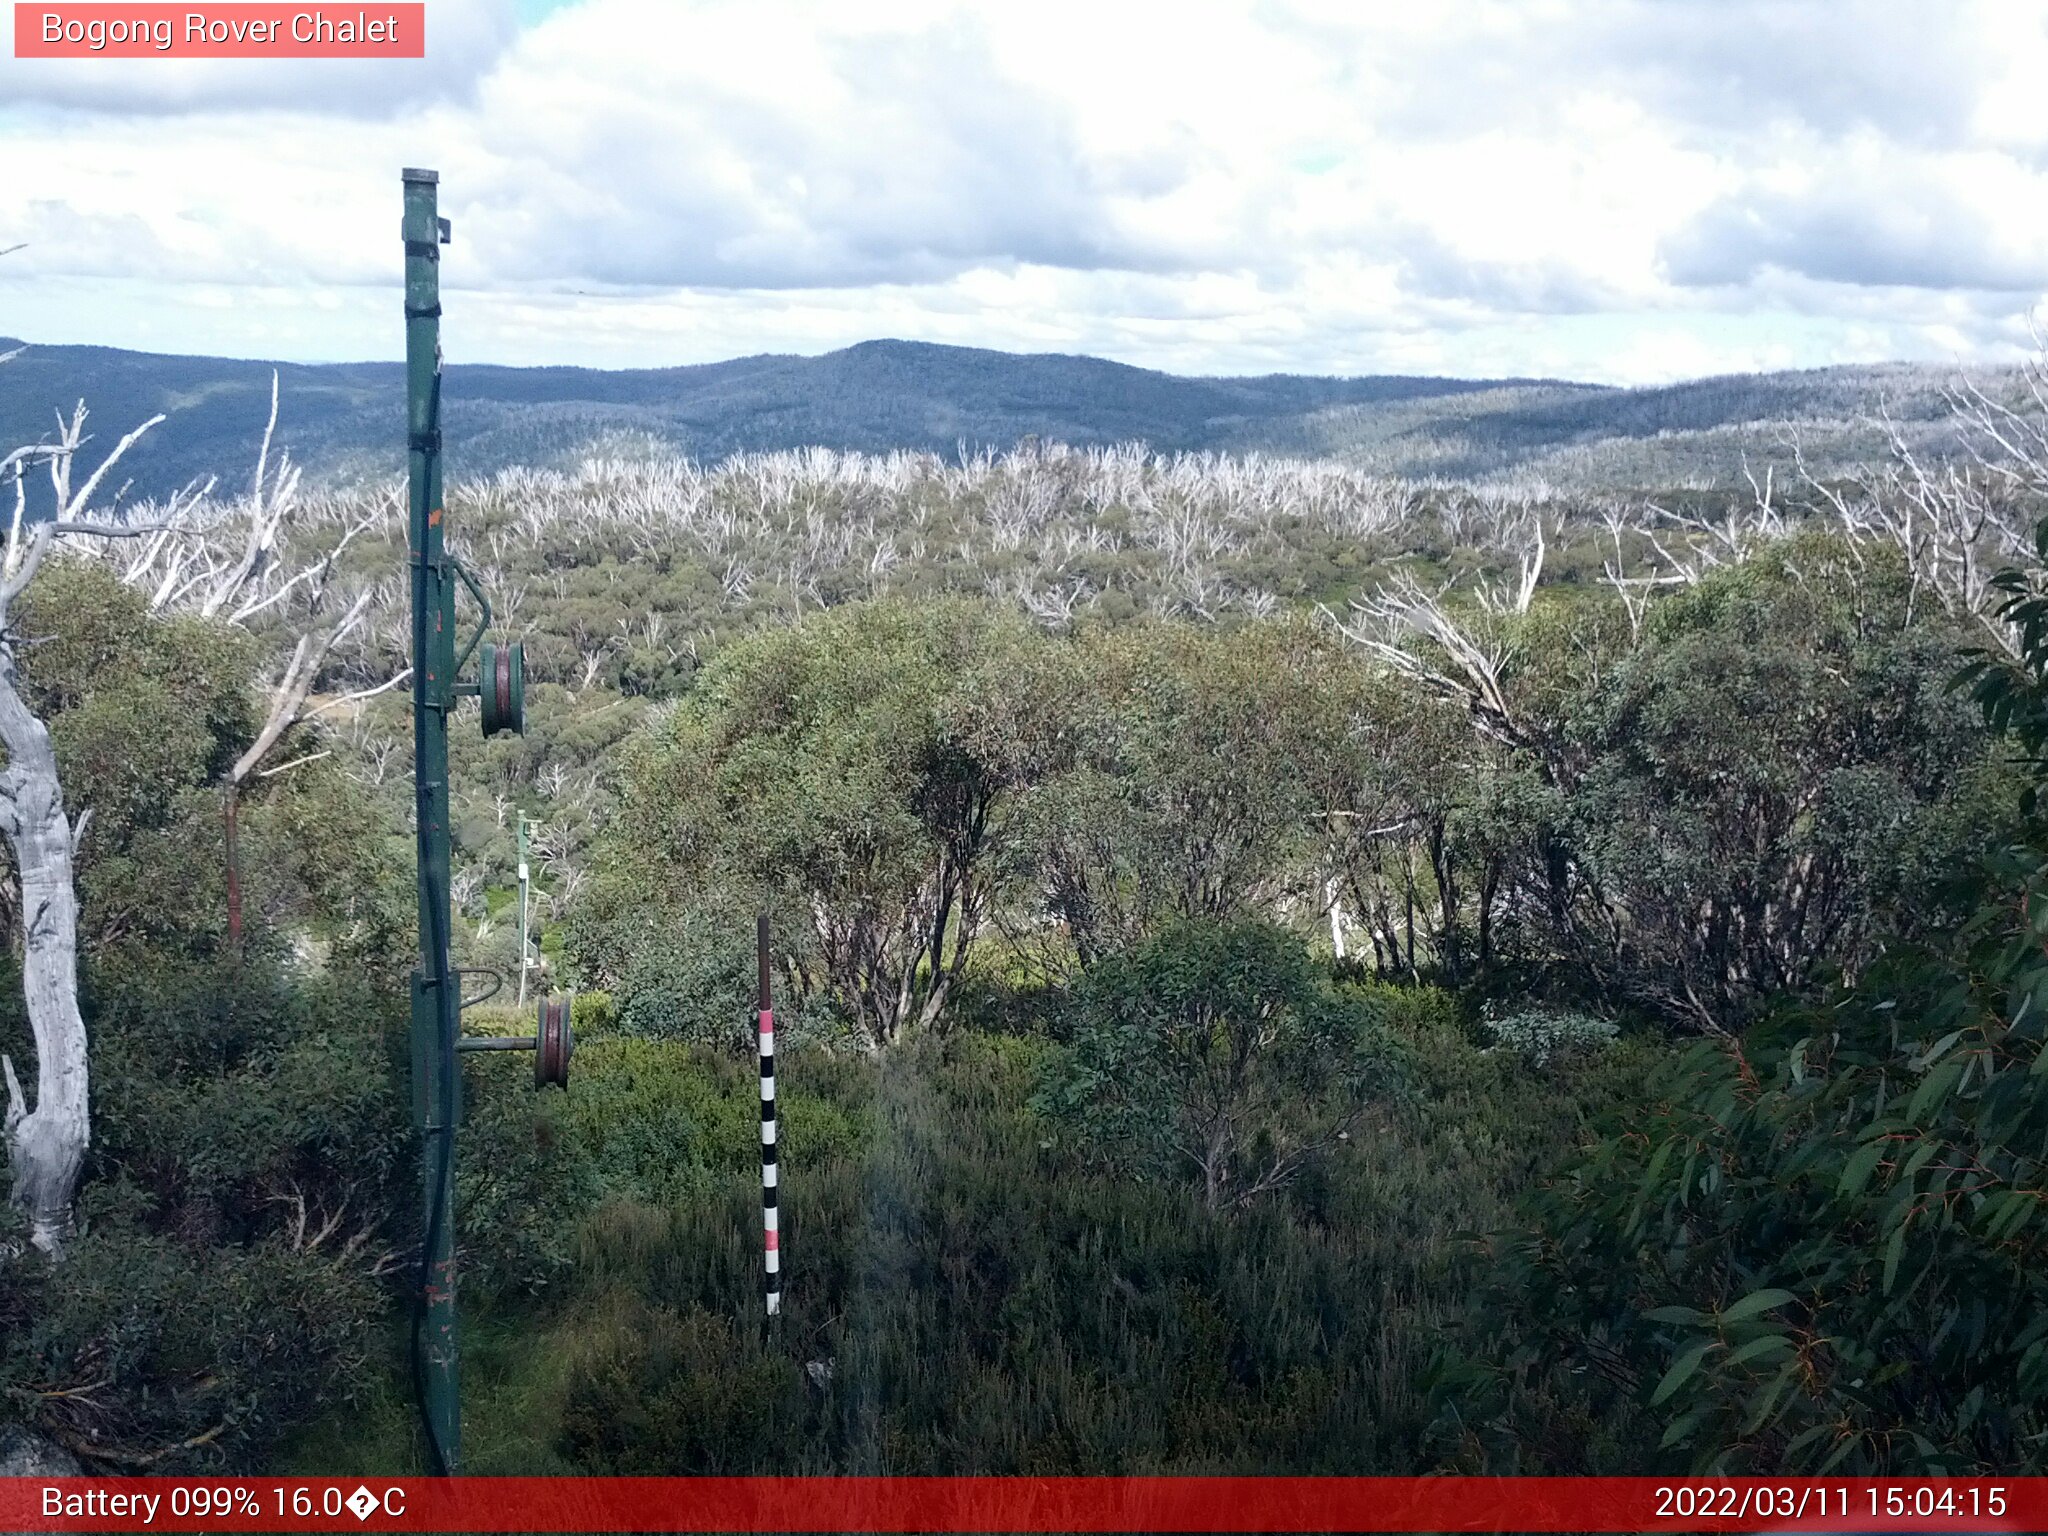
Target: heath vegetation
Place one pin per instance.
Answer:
(1288, 968)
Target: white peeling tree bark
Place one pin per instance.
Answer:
(46, 1144)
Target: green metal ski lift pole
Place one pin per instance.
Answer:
(437, 1002)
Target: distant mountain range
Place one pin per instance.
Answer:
(344, 421)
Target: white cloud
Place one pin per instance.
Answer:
(1869, 213)
(1609, 189)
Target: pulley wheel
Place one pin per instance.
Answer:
(553, 1044)
(501, 686)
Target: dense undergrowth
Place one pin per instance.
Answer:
(967, 1292)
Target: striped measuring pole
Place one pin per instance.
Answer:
(771, 1233)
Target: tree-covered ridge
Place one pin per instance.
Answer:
(885, 396)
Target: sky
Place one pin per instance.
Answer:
(1610, 191)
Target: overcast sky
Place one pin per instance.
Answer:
(1610, 191)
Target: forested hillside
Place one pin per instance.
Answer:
(889, 395)
(1285, 968)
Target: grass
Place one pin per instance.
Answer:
(513, 1389)
(986, 1299)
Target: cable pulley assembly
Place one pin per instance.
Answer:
(501, 688)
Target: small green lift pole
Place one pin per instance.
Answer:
(500, 689)
(436, 1004)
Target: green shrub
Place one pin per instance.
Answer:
(1216, 1052)
(1541, 1035)
(237, 1220)
(593, 1013)
(144, 1350)
(695, 983)
(657, 1389)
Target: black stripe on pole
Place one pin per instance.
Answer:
(771, 1235)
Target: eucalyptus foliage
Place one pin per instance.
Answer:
(1817, 1247)
(1214, 1052)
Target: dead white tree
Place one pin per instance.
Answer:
(375, 752)
(242, 565)
(1957, 521)
(1530, 547)
(288, 706)
(1634, 591)
(1459, 660)
(46, 1144)
(593, 663)
(464, 886)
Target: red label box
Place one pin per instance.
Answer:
(251, 29)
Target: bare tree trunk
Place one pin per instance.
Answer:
(1450, 953)
(1408, 901)
(231, 804)
(45, 1146)
(1489, 886)
(1215, 1168)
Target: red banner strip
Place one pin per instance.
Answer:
(992, 1504)
(246, 29)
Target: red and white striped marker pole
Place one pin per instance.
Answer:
(771, 1235)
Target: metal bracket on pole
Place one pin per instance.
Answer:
(483, 621)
